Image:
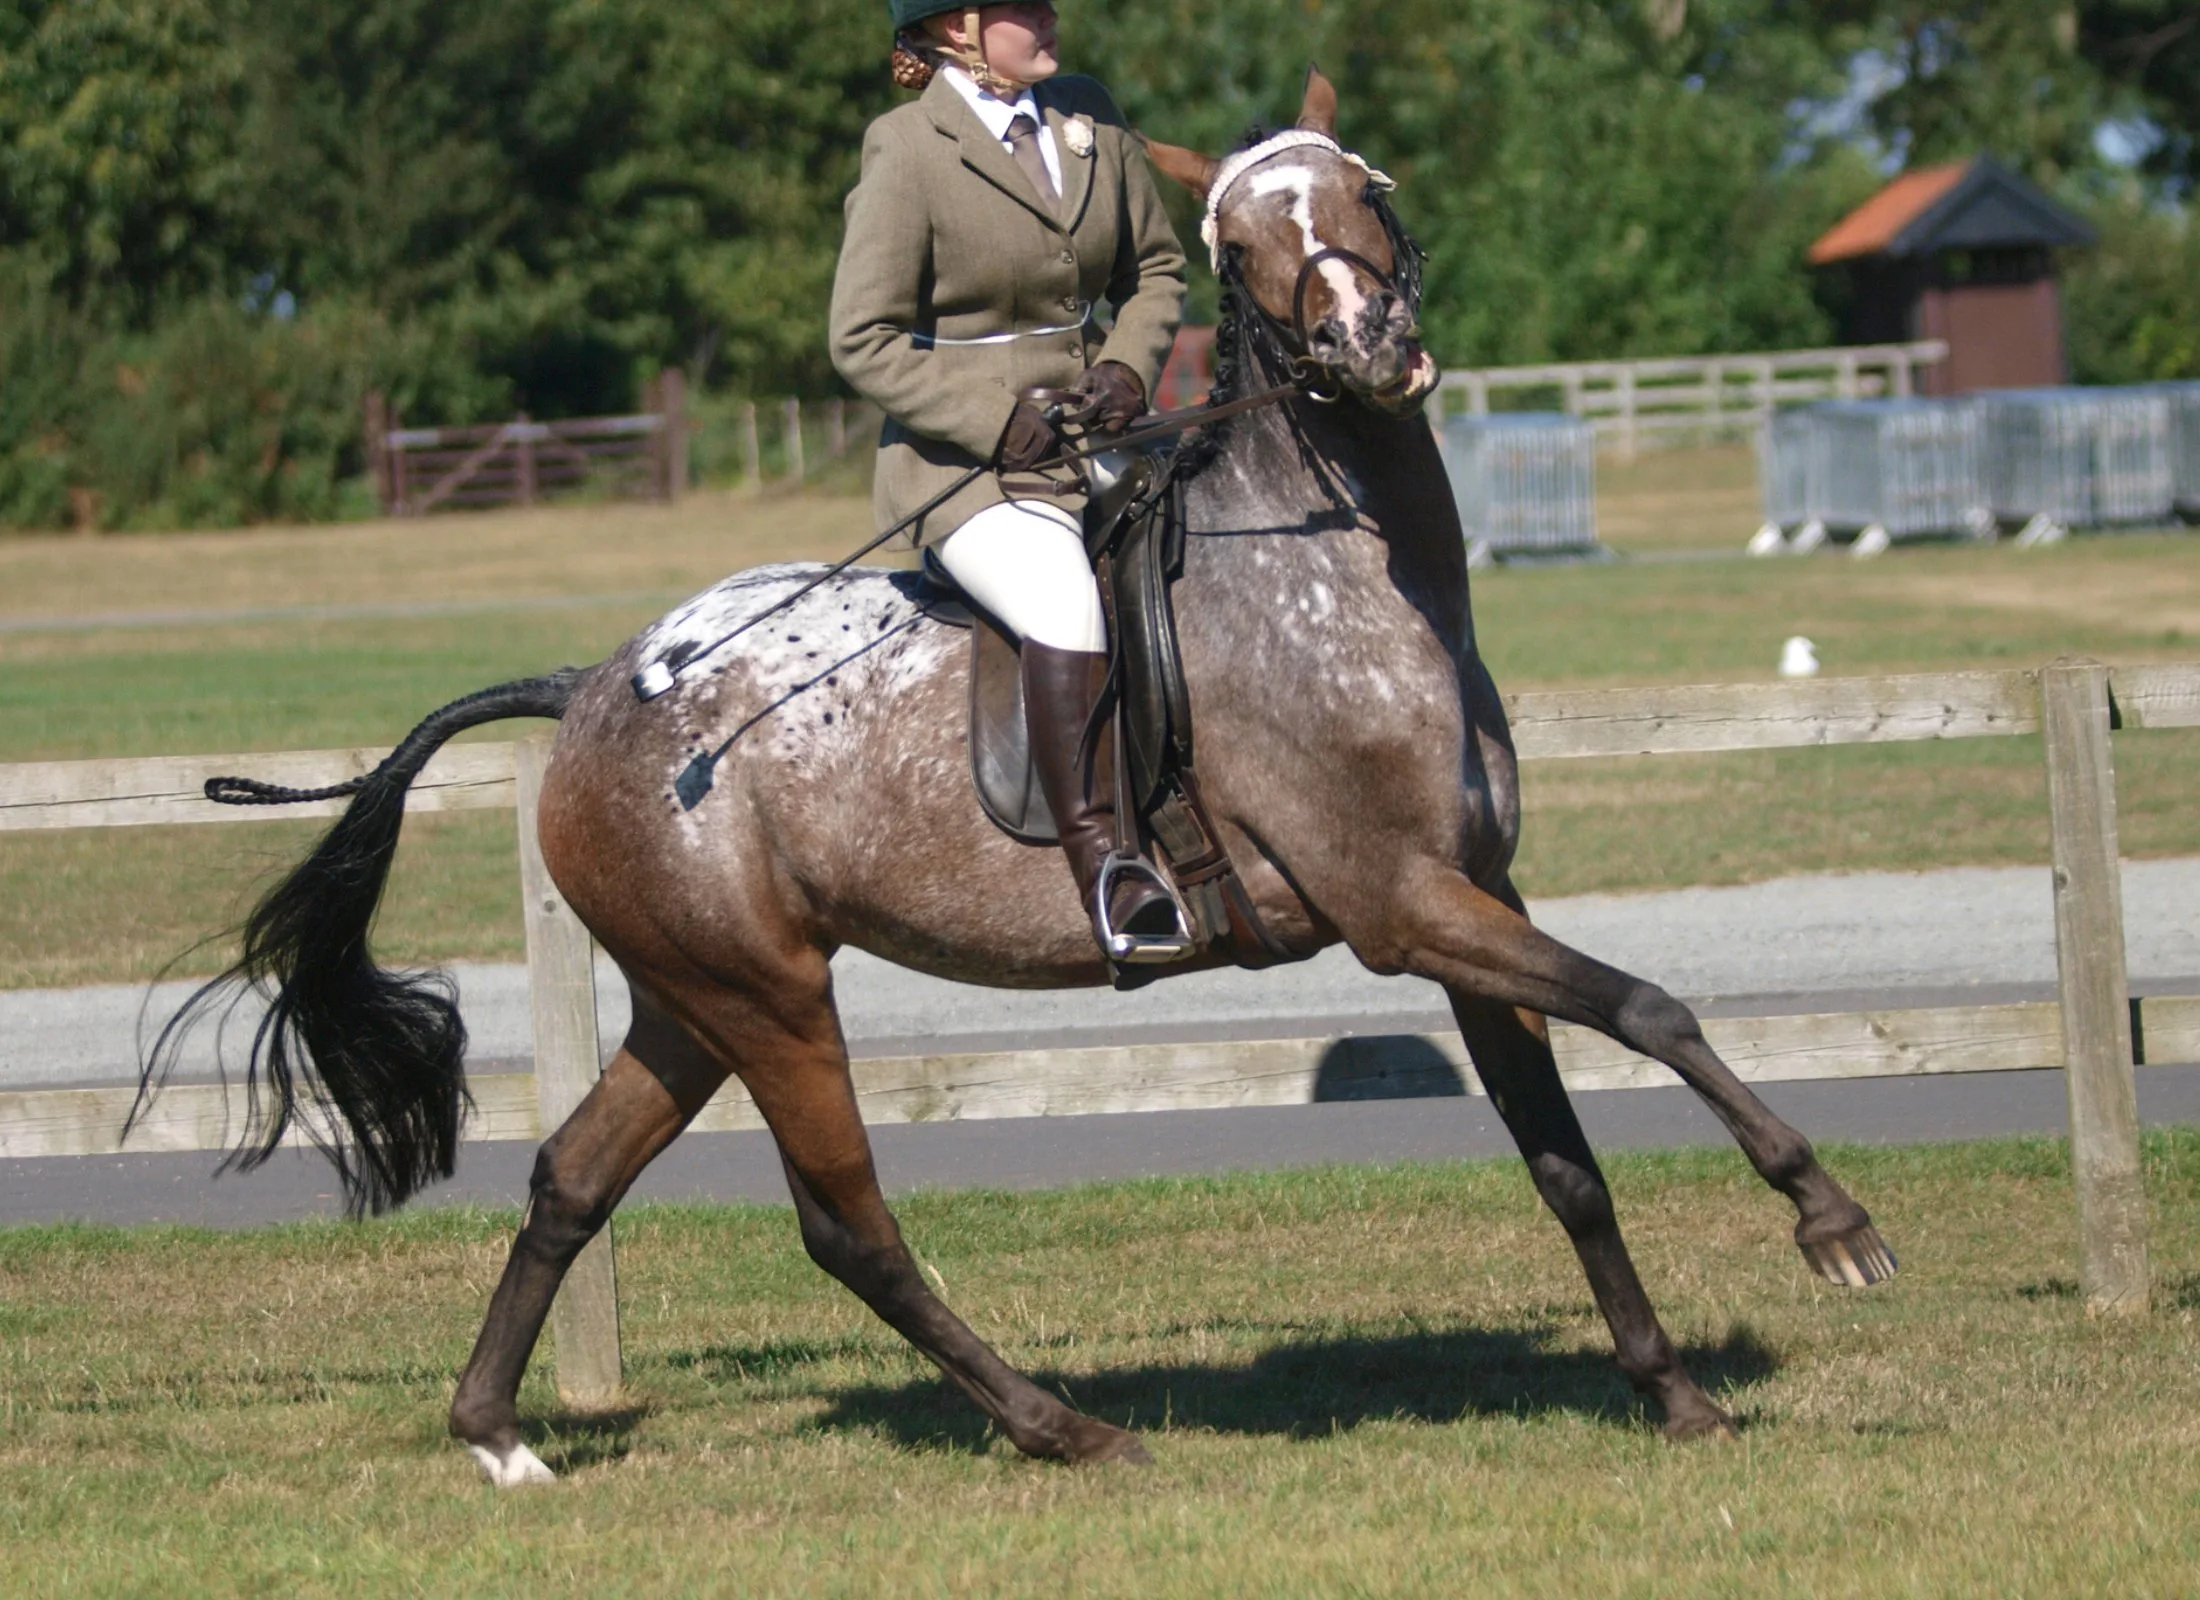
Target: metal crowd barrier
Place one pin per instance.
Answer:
(2080, 458)
(1903, 467)
(1524, 482)
(2184, 446)
(2045, 460)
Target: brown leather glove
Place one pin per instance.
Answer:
(1114, 397)
(1027, 440)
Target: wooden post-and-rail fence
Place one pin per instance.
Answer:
(1631, 402)
(419, 470)
(2088, 1032)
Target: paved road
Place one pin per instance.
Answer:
(1049, 1152)
(1978, 936)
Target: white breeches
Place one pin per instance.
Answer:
(1024, 561)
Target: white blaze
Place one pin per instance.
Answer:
(1298, 183)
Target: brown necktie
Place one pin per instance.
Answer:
(1023, 144)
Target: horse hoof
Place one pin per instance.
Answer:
(1098, 1443)
(1710, 1424)
(516, 1468)
(1855, 1259)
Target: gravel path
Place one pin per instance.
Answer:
(1832, 943)
(1792, 945)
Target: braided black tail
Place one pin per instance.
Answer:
(380, 1055)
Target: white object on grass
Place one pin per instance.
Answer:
(1873, 541)
(1807, 538)
(1798, 658)
(1767, 541)
(2042, 529)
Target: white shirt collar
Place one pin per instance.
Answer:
(992, 110)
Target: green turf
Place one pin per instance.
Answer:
(1596, 825)
(1354, 1382)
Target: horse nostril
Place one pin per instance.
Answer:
(1327, 337)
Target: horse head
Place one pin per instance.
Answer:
(1299, 232)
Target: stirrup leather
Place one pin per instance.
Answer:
(1138, 949)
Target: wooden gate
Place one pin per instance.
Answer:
(516, 463)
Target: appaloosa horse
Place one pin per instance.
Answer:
(1352, 748)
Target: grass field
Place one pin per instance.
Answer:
(1354, 1382)
(547, 587)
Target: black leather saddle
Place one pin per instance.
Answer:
(1135, 533)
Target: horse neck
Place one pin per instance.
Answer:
(1312, 475)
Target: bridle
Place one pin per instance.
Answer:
(1288, 348)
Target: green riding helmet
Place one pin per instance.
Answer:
(908, 13)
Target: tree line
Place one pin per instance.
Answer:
(221, 221)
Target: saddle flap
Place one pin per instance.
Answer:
(1156, 706)
(1000, 746)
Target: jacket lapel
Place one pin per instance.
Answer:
(981, 152)
(1076, 168)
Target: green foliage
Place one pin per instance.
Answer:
(487, 205)
(214, 418)
(2132, 303)
(120, 175)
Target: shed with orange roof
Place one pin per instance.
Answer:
(1966, 253)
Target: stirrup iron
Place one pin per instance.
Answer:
(1136, 949)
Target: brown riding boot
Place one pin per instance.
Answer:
(1061, 688)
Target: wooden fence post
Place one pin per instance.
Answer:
(836, 428)
(797, 469)
(673, 439)
(378, 448)
(2096, 1004)
(561, 982)
(526, 463)
(394, 460)
(752, 449)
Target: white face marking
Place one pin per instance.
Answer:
(1298, 183)
(514, 1470)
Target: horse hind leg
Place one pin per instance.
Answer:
(792, 1061)
(1482, 946)
(653, 1088)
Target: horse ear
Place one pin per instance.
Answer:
(1318, 114)
(1188, 167)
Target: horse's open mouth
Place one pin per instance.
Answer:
(1404, 394)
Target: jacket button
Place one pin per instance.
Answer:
(1069, 258)
(1075, 349)
(1069, 302)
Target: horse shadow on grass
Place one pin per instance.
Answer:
(1311, 1388)
(568, 1440)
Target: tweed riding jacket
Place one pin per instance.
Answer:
(947, 240)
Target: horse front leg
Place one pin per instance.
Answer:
(1512, 1056)
(653, 1088)
(1482, 946)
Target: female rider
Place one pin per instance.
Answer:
(990, 215)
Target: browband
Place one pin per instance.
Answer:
(1235, 167)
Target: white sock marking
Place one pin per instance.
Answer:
(515, 1470)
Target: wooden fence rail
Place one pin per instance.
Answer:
(2089, 1033)
(1629, 400)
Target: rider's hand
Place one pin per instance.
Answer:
(1114, 397)
(1028, 439)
